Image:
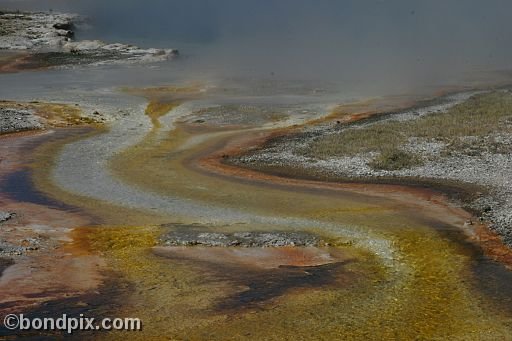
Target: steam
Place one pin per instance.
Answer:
(398, 44)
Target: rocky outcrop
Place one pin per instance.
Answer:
(240, 239)
(8, 249)
(32, 31)
(49, 38)
(14, 120)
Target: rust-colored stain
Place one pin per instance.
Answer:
(434, 203)
(492, 244)
(15, 62)
(227, 293)
(56, 268)
(264, 258)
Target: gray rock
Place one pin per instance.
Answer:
(8, 249)
(14, 120)
(240, 239)
(4, 216)
(65, 25)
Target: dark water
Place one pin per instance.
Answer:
(19, 187)
(267, 285)
(99, 304)
(489, 277)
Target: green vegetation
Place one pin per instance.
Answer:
(395, 160)
(466, 128)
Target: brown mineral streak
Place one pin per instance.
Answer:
(433, 203)
(63, 270)
(17, 63)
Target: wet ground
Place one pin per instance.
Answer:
(393, 263)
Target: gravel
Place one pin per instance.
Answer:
(240, 239)
(8, 249)
(14, 120)
(19, 248)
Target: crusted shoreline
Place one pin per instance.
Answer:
(49, 41)
(477, 174)
(186, 237)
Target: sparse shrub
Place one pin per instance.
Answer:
(395, 160)
(479, 116)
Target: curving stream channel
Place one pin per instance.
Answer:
(396, 262)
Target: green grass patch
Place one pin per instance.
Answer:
(395, 160)
(478, 117)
